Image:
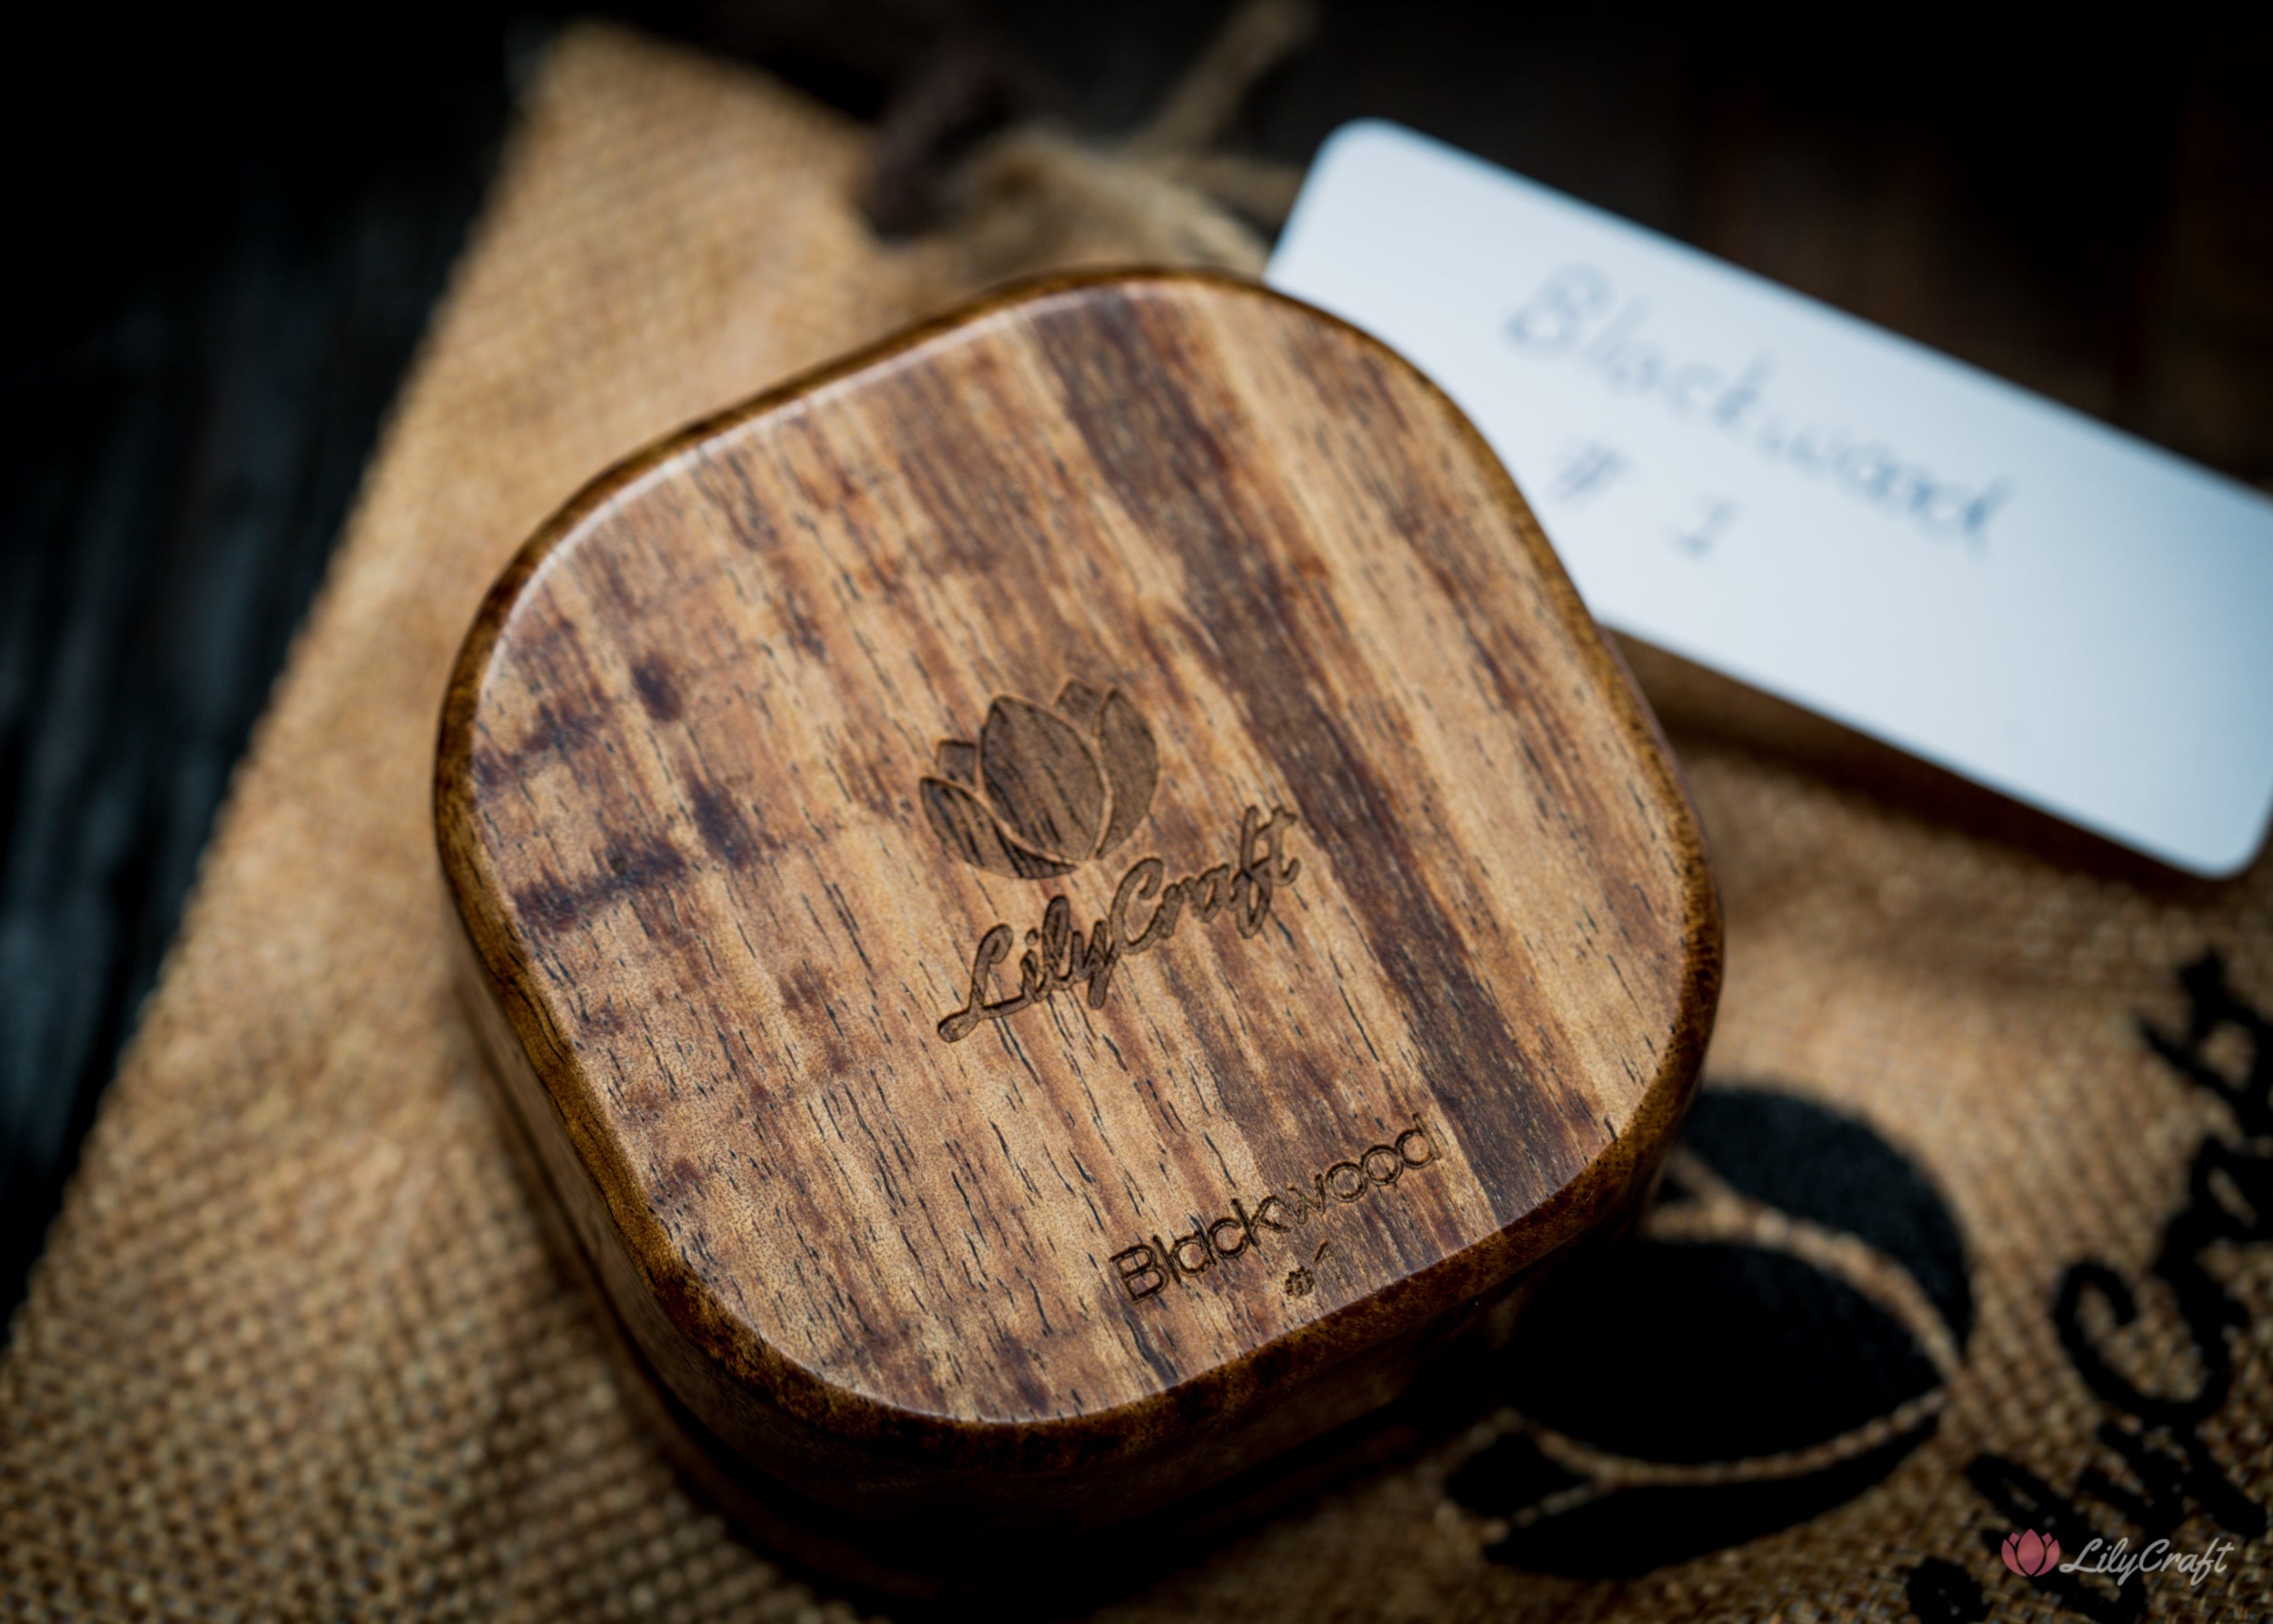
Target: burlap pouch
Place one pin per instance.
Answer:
(1970, 1234)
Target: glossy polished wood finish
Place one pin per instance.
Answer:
(1062, 900)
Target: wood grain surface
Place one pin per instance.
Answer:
(1064, 898)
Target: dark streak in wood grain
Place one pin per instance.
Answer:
(1109, 359)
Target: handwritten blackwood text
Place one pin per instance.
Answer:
(1564, 319)
(1144, 1271)
(1058, 957)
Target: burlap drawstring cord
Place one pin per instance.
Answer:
(1038, 197)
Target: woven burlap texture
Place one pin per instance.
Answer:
(295, 1349)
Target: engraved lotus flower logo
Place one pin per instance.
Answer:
(1044, 790)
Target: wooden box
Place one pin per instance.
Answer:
(1061, 902)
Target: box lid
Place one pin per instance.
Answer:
(1061, 883)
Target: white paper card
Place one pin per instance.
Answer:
(1822, 509)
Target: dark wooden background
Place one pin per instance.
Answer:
(227, 235)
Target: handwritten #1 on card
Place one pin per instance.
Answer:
(1824, 510)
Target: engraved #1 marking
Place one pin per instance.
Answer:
(1043, 791)
(1144, 1271)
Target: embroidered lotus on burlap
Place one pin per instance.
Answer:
(1044, 790)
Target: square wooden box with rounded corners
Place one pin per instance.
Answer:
(1061, 901)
